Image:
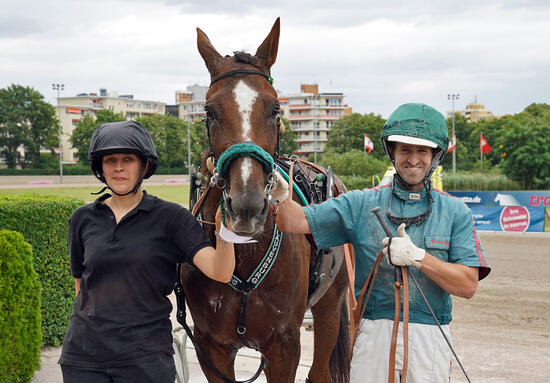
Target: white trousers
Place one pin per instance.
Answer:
(429, 354)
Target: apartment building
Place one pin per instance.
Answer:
(311, 115)
(189, 103)
(71, 110)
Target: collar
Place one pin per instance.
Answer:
(146, 204)
(407, 195)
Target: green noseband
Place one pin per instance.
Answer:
(244, 149)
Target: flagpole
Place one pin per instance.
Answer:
(453, 97)
(480, 149)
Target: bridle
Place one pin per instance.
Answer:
(236, 72)
(248, 149)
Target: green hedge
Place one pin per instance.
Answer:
(43, 222)
(357, 182)
(20, 335)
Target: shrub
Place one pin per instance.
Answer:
(357, 182)
(20, 335)
(43, 222)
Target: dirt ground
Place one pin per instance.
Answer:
(502, 334)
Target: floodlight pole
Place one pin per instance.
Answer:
(59, 88)
(453, 97)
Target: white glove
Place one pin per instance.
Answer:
(402, 251)
(280, 189)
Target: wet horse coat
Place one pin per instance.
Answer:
(243, 107)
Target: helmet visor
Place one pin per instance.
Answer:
(411, 140)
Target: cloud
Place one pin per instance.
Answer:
(378, 54)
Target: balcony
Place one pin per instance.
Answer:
(322, 117)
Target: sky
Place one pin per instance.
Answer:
(380, 54)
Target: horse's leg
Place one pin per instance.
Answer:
(222, 357)
(331, 353)
(283, 356)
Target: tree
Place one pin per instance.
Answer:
(80, 140)
(287, 141)
(464, 156)
(27, 122)
(170, 137)
(348, 133)
(354, 163)
(526, 142)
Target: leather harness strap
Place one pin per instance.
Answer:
(362, 305)
(398, 286)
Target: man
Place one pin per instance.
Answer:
(433, 232)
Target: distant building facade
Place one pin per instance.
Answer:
(71, 110)
(311, 115)
(475, 111)
(189, 103)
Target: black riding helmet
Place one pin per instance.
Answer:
(122, 137)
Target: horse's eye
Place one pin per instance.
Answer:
(276, 110)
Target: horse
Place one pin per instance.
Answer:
(242, 110)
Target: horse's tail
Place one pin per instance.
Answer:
(340, 358)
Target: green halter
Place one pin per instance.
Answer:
(244, 149)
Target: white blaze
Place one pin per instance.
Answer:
(245, 97)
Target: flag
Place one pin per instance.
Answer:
(484, 146)
(368, 144)
(452, 144)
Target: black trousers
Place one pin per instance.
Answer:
(159, 370)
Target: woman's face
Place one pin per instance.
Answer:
(122, 171)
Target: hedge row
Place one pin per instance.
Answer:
(20, 335)
(43, 222)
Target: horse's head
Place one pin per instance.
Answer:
(242, 114)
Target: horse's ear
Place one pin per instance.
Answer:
(208, 53)
(267, 52)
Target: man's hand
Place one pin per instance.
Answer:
(280, 190)
(402, 251)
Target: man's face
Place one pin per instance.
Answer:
(412, 163)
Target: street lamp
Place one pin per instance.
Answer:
(59, 88)
(453, 97)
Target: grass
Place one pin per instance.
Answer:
(174, 193)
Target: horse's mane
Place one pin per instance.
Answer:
(246, 58)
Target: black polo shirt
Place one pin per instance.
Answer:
(122, 314)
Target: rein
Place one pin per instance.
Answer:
(241, 71)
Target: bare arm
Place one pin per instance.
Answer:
(76, 286)
(454, 278)
(218, 263)
(291, 218)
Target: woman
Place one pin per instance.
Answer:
(124, 250)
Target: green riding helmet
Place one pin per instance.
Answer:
(417, 124)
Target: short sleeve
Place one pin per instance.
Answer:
(466, 247)
(332, 223)
(188, 236)
(76, 247)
